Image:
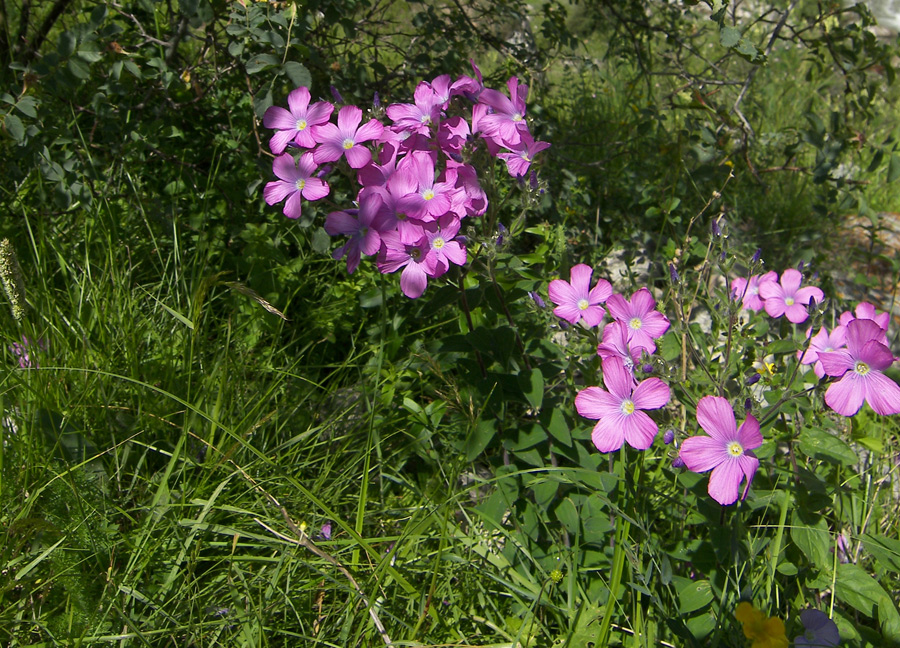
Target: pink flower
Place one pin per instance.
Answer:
(823, 342)
(413, 259)
(643, 322)
(865, 310)
(748, 292)
(860, 368)
(295, 181)
(506, 122)
(417, 117)
(443, 250)
(296, 124)
(576, 300)
(788, 298)
(615, 345)
(519, 159)
(346, 138)
(619, 410)
(726, 451)
(360, 226)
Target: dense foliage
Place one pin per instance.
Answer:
(213, 434)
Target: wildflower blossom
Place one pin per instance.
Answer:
(787, 297)
(860, 366)
(643, 322)
(748, 290)
(763, 632)
(620, 410)
(295, 124)
(819, 631)
(346, 138)
(295, 181)
(361, 226)
(726, 451)
(822, 342)
(575, 300)
(25, 352)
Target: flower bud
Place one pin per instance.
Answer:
(673, 273)
(668, 436)
(647, 368)
(337, 95)
(756, 256)
(753, 379)
(537, 299)
(677, 462)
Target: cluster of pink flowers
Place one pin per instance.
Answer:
(630, 336)
(855, 351)
(417, 188)
(854, 354)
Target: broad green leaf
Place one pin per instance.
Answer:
(297, 73)
(532, 384)
(729, 36)
(885, 550)
(26, 105)
(813, 541)
(567, 514)
(819, 444)
(14, 127)
(858, 589)
(558, 428)
(479, 438)
(694, 595)
(260, 62)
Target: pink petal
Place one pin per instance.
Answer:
(593, 315)
(716, 417)
(642, 302)
(640, 430)
(561, 292)
(617, 378)
(369, 131)
(277, 191)
(882, 393)
(609, 433)
(846, 396)
(652, 393)
(569, 312)
(298, 100)
(809, 293)
(348, 119)
(596, 403)
(601, 292)
(795, 313)
(293, 205)
(358, 156)
(724, 481)
(413, 280)
(836, 363)
(278, 117)
(315, 189)
(280, 140)
(790, 281)
(702, 453)
(618, 307)
(285, 168)
(581, 279)
(748, 435)
(876, 355)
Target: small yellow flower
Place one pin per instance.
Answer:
(763, 632)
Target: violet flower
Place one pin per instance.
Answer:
(576, 300)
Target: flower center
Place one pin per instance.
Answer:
(583, 304)
(635, 323)
(525, 156)
(861, 368)
(425, 119)
(627, 407)
(428, 194)
(415, 253)
(754, 290)
(348, 144)
(300, 184)
(437, 243)
(789, 301)
(301, 124)
(735, 449)
(517, 117)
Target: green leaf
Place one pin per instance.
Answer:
(893, 168)
(813, 541)
(694, 595)
(297, 73)
(729, 36)
(66, 44)
(479, 438)
(856, 588)
(885, 550)
(567, 514)
(14, 127)
(819, 444)
(79, 69)
(26, 105)
(558, 428)
(260, 62)
(532, 384)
